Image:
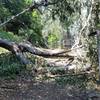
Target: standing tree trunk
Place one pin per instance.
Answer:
(95, 31)
(95, 22)
(98, 49)
(82, 30)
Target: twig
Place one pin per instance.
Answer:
(75, 48)
(78, 74)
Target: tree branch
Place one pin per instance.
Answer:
(34, 6)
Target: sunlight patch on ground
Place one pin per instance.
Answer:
(2, 50)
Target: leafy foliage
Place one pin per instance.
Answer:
(27, 25)
(10, 36)
(52, 39)
(64, 9)
(9, 65)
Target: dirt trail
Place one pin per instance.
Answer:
(26, 89)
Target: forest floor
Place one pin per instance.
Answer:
(25, 87)
(29, 86)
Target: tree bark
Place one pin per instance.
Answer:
(14, 48)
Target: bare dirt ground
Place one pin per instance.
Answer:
(24, 88)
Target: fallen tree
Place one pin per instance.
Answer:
(19, 48)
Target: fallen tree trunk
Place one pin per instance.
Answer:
(42, 52)
(18, 50)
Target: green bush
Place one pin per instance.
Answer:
(9, 65)
(52, 40)
(10, 36)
